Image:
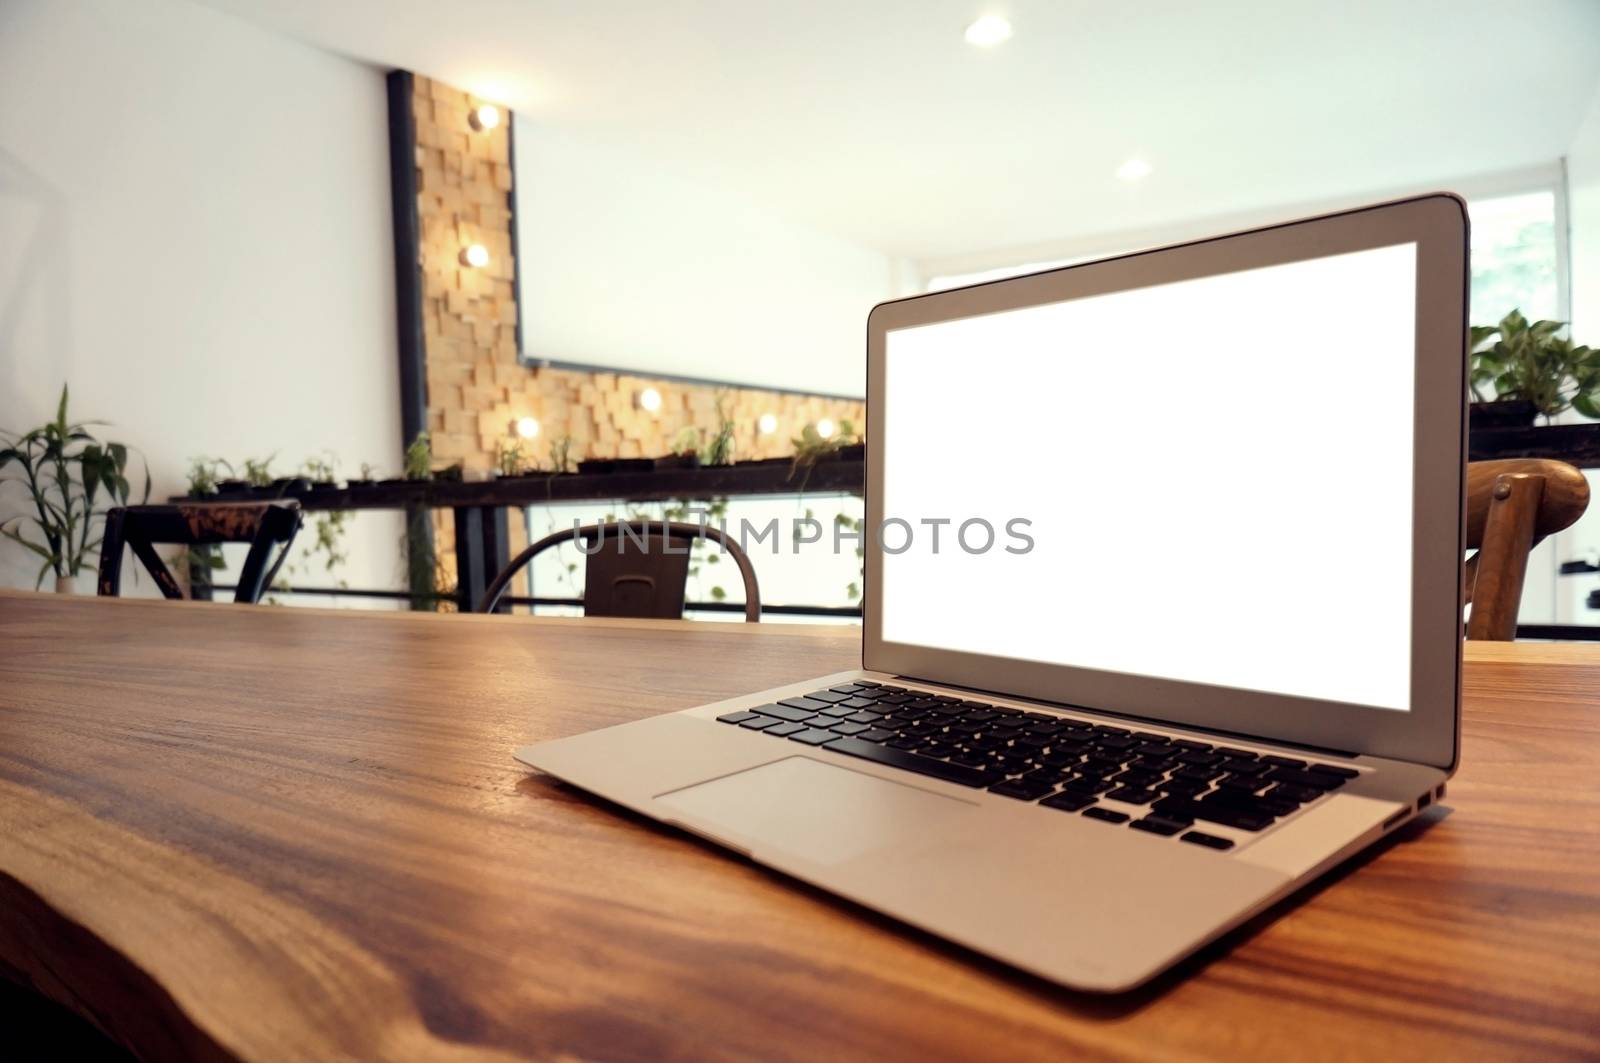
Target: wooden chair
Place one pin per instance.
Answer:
(261, 524)
(634, 569)
(1511, 506)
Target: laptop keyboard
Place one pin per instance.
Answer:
(1179, 786)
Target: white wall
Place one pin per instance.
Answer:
(627, 264)
(195, 233)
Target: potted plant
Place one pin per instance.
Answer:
(62, 469)
(1533, 370)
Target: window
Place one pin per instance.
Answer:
(1514, 259)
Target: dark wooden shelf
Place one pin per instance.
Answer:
(1577, 444)
(775, 477)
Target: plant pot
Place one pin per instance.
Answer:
(1512, 413)
(66, 585)
(230, 486)
(678, 461)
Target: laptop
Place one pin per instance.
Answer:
(1163, 603)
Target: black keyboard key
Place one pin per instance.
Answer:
(1158, 765)
(1304, 778)
(981, 716)
(1198, 759)
(1156, 825)
(1190, 744)
(1022, 789)
(1160, 750)
(894, 758)
(924, 702)
(1298, 794)
(1182, 787)
(830, 696)
(1109, 731)
(1283, 762)
(813, 736)
(847, 728)
(1196, 773)
(862, 683)
(1087, 784)
(1067, 801)
(1137, 777)
(1228, 816)
(1106, 814)
(907, 742)
(1260, 806)
(736, 717)
(809, 704)
(1133, 795)
(784, 730)
(1244, 767)
(1114, 744)
(784, 712)
(1060, 758)
(1331, 769)
(838, 712)
(860, 703)
(947, 699)
(1244, 784)
(759, 723)
(1004, 710)
(1235, 753)
(1044, 728)
(894, 699)
(1210, 841)
(865, 717)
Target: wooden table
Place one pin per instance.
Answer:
(281, 833)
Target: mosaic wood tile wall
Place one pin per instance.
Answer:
(477, 389)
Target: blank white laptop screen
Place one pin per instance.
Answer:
(1216, 476)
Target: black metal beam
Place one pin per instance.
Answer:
(407, 257)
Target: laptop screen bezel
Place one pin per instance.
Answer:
(1428, 732)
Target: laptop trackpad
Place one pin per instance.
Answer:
(819, 812)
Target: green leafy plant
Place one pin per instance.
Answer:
(419, 458)
(719, 451)
(511, 459)
(561, 459)
(1534, 363)
(328, 526)
(258, 471)
(62, 470)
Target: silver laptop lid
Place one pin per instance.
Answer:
(1219, 484)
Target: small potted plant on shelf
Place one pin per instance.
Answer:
(1532, 370)
(61, 470)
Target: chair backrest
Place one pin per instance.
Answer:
(1511, 506)
(261, 524)
(634, 569)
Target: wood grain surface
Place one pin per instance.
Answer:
(267, 834)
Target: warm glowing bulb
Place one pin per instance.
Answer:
(476, 256)
(1133, 170)
(988, 31)
(768, 424)
(527, 427)
(484, 118)
(825, 428)
(650, 400)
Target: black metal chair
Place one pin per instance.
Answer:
(635, 569)
(261, 524)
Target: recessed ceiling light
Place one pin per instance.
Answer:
(1133, 170)
(988, 31)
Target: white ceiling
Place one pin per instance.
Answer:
(874, 120)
